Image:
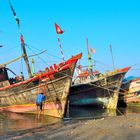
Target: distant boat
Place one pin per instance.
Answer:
(91, 88)
(101, 92)
(130, 91)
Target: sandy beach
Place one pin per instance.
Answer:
(108, 128)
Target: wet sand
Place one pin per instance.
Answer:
(109, 128)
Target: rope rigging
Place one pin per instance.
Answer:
(109, 90)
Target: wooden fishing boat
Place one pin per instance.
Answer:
(91, 88)
(101, 91)
(20, 95)
(130, 92)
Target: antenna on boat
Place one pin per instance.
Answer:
(22, 41)
(59, 31)
(112, 56)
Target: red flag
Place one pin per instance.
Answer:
(58, 29)
(21, 39)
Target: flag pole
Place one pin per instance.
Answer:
(60, 46)
(112, 56)
(58, 32)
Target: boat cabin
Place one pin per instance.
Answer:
(5, 80)
(3, 74)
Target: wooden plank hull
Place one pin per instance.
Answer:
(51, 109)
(100, 93)
(130, 93)
(21, 97)
(24, 102)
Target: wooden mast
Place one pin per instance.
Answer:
(26, 58)
(26, 61)
(90, 61)
(89, 57)
(22, 42)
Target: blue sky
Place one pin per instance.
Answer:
(104, 22)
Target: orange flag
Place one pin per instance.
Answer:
(58, 29)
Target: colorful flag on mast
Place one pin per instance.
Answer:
(58, 29)
(92, 50)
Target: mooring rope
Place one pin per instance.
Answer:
(108, 90)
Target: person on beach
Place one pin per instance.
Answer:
(39, 100)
